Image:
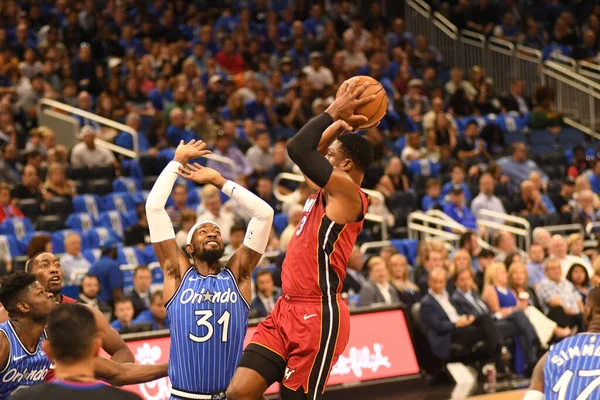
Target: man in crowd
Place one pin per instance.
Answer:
(563, 201)
(88, 295)
(378, 290)
(542, 237)
(505, 243)
(559, 250)
(266, 295)
(180, 198)
(457, 210)
(7, 209)
(515, 101)
(486, 200)
(156, 314)
(355, 279)
(260, 155)
(535, 266)
(72, 260)
(30, 187)
(225, 147)
(432, 259)
(87, 154)
(469, 147)
(108, 272)
(124, 315)
(140, 295)
(517, 167)
(213, 210)
(469, 242)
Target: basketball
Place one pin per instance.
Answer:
(375, 109)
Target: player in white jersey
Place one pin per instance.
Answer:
(570, 370)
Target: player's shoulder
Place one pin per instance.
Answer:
(33, 392)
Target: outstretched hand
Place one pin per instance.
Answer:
(344, 105)
(201, 175)
(191, 150)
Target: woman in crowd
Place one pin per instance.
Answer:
(579, 277)
(394, 178)
(517, 281)
(399, 277)
(57, 183)
(514, 257)
(496, 293)
(576, 247)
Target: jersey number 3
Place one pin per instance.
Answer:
(563, 383)
(205, 316)
(301, 225)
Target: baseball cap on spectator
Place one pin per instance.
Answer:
(415, 83)
(456, 189)
(114, 62)
(286, 60)
(110, 243)
(315, 54)
(215, 78)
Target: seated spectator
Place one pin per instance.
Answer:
(177, 131)
(444, 325)
(57, 184)
(457, 210)
(507, 30)
(138, 234)
(558, 297)
(260, 155)
(236, 238)
(387, 252)
(124, 315)
(457, 178)
(213, 210)
(563, 201)
(485, 259)
(459, 104)
(399, 272)
(87, 154)
(486, 200)
(542, 237)
(298, 196)
(140, 294)
(125, 139)
(425, 55)
(161, 95)
(580, 162)
(40, 242)
(378, 290)
(579, 277)
(180, 197)
(415, 104)
(544, 115)
(73, 263)
(394, 178)
(318, 75)
(7, 209)
(517, 167)
(187, 221)
(235, 110)
(510, 320)
(532, 37)
(264, 190)
(505, 243)
(518, 282)
(575, 245)
(469, 242)
(530, 201)
(581, 185)
(108, 272)
(536, 179)
(515, 101)
(432, 259)
(474, 84)
(412, 150)
(461, 259)
(558, 250)
(229, 59)
(433, 198)
(89, 289)
(355, 279)
(30, 187)
(225, 147)
(456, 81)
(482, 17)
(156, 314)
(294, 217)
(266, 295)
(437, 107)
(535, 266)
(588, 50)
(513, 258)
(469, 147)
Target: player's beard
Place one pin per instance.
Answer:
(211, 256)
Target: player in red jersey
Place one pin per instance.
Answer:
(302, 338)
(47, 270)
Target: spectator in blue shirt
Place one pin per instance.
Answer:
(457, 177)
(156, 314)
(130, 43)
(517, 167)
(107, 270)
(161, 95)
(177, 131)
(457, 210)
(594, 178)
(125, 139)
(314, 27)
(433, 199)
(124, 314)
(261, 109)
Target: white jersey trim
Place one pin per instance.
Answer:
(21, 343)
(186, 395)
(9, 360)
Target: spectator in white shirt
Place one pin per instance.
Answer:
(213, 210)
(456, 81)
(356, 32)
(412, 150)
(378, 289)
(559, 249)
(294, 217)
(353, 59)
(318, 75)
(87, 154)
(73, 261)
(486, 200)
(437, 107)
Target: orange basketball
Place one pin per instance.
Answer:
(375, 109)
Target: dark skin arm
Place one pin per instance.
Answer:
(128, 373)
(537, 379)
(4, 351)
(112, 342)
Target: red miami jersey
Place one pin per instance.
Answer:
(317, 255)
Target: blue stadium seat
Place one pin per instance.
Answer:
(400, 144)
(58, 240)
(92, 255)
(130, 255)
(140, 197)
(18, 227)
(80, 221)
(150, 255)
(115, 221)
(129, 185)
(167, 153)
(158, 277)
(570, 137)
(408, 247)
(95, 236)
(514, 137)
(87, 203)
(9, 247)
(590, 153)
(127, 271)
(71, 291)
(118, 201)
(542, 137)
(511, 122)
(542, 148)
(280, 221)
(423, 167)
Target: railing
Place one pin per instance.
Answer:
(378, 219)
(574, 82)
(46, 105)
(520, 227)
(565, 229)
(591, 229)
(419, 228)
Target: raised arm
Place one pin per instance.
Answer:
(246, 258)
(172, 260)
(128, 373)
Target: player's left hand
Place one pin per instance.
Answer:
(201, 175)
(188, 151)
